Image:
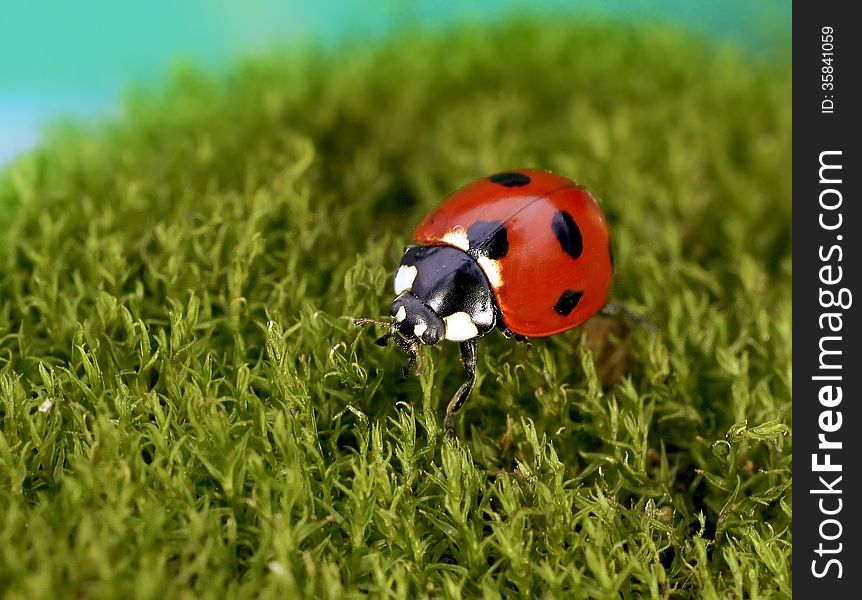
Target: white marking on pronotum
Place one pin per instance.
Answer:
(457, 237)
(460, 327)
(404, 278)
(491, 268)
(420, 329)
(484, 316)
(401, 314)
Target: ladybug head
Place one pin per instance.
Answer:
(412, 323)
(413, 320)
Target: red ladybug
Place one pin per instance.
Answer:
(525, 251)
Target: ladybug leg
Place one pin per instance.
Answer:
(468, 356)
(523, 340)
(510, 334)
(411, 348)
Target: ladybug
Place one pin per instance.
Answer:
(527, 252)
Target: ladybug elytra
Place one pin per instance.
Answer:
(523, 251)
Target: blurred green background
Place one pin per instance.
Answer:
(74, 58)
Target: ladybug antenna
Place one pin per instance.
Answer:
(382, 340)
(364, 321)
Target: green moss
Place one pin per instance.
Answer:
(178, 287)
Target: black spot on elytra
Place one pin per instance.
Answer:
(489, 238)
(510, 179)
(567, 302)
(568, 233)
